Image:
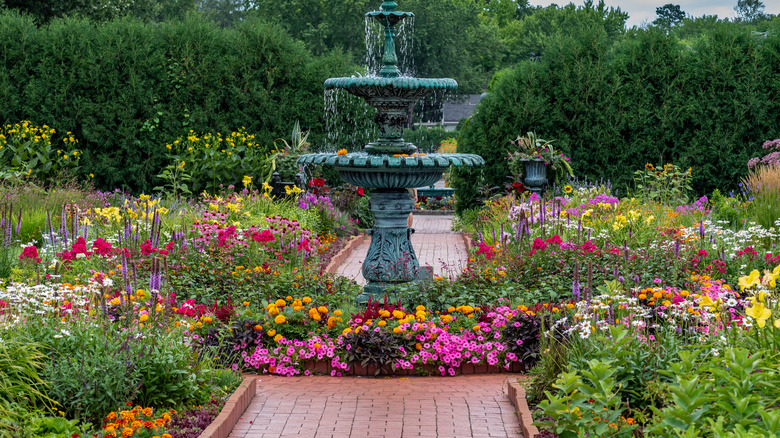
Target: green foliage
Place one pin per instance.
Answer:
(176, 180)
(125, 88)
(587, 402)
(726, 208)
(213, 160)
(92, 369)
(27, 150)
(148, 10)
(535, 33)
(668, 184)
(635, 363)
(669, 15)
(428, 140)
(717, 396)
(614, 105)
(20, 382)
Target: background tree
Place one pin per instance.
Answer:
(750, 10)
(103, 10)
(534, 33)
(669, 15)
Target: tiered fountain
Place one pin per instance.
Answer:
(390, 165)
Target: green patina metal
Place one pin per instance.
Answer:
(390, 164)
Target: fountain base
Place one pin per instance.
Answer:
(391, 260)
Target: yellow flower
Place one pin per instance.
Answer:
(181, 166)
(280, 319)
(707, 301)
(247, 180)
(277, 338)
(271, 332)
(750, 280)
(759, 312)
(341, 152)
(567, 189)
(144, 318)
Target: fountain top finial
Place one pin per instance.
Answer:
(388, 5)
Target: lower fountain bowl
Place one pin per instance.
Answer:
(383, 171)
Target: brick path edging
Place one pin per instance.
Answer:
(232, 411)
(342, 255)
(516, 393)
(323, 367)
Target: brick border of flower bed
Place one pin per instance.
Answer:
(233, 409)
(516, 393)
(324, 367)
(468, 239)
(342, 255)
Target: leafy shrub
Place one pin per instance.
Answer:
(587, 403)
(212, 160)
(725, 395)
(132, 87)
(428, 140)
(668, 184)
(613, 106)
(26, 149)
(92, 370)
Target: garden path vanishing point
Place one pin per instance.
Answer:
(473, 406)
(434, 242)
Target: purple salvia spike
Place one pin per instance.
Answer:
(126, 275)
(152, 281)
(75, 223)
(494, 235)
(135, 275)
(677, 247)
(19, 222)
(701, 229)
(52, 240)
(128, 229)
(481, 237)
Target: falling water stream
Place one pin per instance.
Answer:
(349, 119)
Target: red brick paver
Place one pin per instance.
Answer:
(392, 407)
(435, 245)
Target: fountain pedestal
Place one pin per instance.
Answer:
(391, 260)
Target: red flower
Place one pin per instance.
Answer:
(316, 182)
(360, 191)
(30, 252)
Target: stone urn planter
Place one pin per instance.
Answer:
(535, 172)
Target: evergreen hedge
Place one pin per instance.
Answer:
(126, 88)
(615, 105)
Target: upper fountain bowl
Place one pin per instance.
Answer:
(402, 86)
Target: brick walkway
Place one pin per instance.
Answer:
(388, 407)
(434, 242)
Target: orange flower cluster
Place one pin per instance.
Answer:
(128, 423)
